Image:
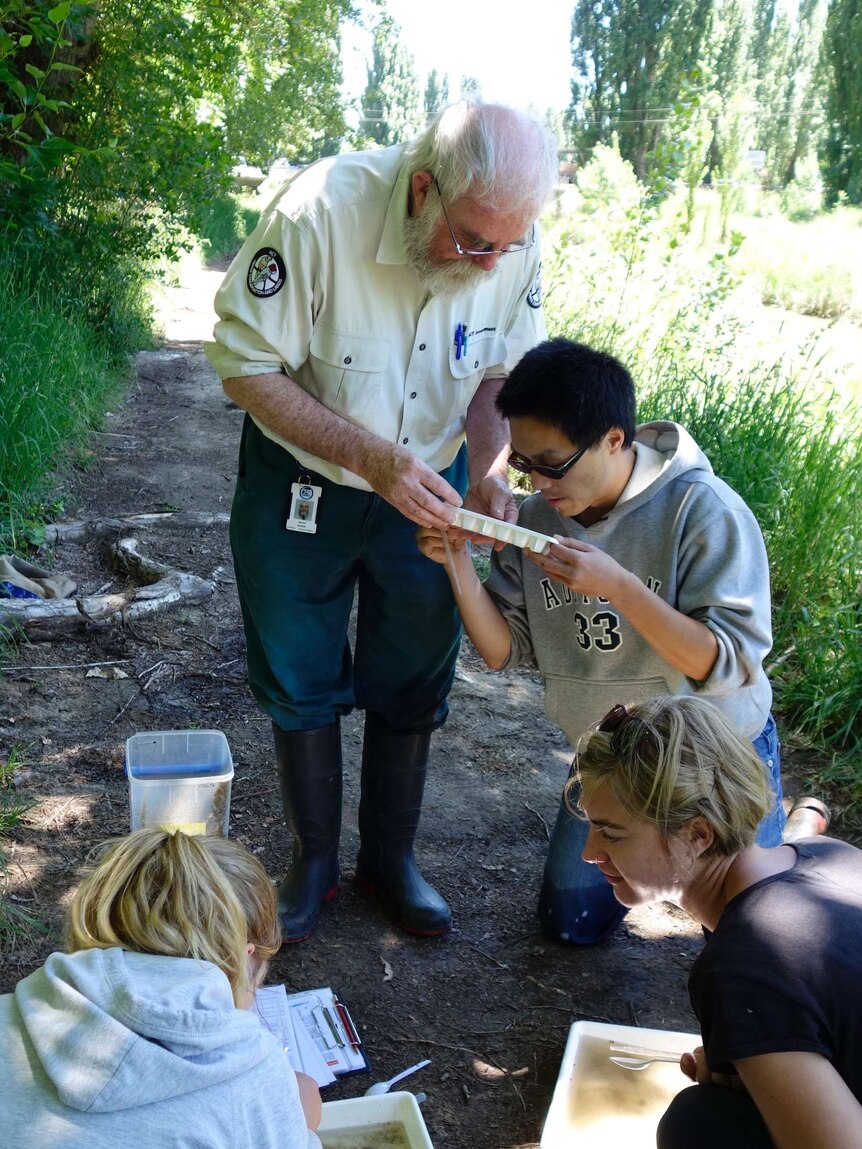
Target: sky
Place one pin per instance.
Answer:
(519, 52)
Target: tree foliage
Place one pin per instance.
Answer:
(841, 152)
(788, 85)
(145, 103)
(629, 58)
(120, 117)
(285, 99)
(470, 88)
(390, 103)
(436, 94)
(37, 81)
(758, 62)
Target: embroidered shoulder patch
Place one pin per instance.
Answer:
(266, 274)
(534, 299)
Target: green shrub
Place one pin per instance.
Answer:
(807, 287)
(802, 198)
(58, 374)
(222, 223)
(607, 183)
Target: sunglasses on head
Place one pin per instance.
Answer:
(615, 723)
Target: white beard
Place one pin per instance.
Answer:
(445, 279)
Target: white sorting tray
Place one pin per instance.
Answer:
(504, 532)
(388, 1121)
(597, 1104)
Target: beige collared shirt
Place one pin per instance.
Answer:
(323, 292)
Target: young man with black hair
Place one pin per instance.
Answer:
(658, 584)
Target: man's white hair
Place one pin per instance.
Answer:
(500, 157)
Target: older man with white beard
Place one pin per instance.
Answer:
(365, 328)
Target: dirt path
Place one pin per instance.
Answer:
(492, 1003)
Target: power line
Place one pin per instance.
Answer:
(760, 117)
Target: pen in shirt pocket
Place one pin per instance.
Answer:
(460, 340)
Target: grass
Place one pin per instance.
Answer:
(58, 375)
(813, 267)
(16, 925)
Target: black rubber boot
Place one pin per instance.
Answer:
(309, 773)
(394, 765)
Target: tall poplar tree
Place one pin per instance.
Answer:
(436, 94)
(630, 58)
(788, 86)
(390, 103)
(841, 152)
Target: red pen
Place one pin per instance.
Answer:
(347, 1023)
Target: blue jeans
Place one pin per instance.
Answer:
(296, 593)
(577, 904)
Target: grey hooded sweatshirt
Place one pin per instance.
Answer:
(693, 541)
(104, 1048)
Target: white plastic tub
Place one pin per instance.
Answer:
(597, 1104)
(180, 779)
(390, 1121)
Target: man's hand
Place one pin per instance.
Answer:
(581, 567)
(491, 496)
(694, 1066)
(412, 487)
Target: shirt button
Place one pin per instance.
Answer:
(347, 359)
(406, 439)
(412, 394)
(421, 346)
(476, 364)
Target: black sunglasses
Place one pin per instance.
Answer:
(526, 466)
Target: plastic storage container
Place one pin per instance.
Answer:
(597, 1103)
(393, 1120)
(180, 779)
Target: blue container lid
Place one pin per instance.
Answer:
(178, 754)
(179, 770)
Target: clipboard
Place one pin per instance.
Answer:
(315, 1029)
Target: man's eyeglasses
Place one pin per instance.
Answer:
(487, 249)
(526, 467)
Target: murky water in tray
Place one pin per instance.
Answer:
(389, 1135)
(608, 1105)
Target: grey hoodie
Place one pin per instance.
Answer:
(104, 1048)
(692, 540)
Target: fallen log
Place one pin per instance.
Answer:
(159, 587)
(78, 531)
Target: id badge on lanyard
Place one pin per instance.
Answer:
(304, 501)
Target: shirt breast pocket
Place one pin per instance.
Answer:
(347, 370)
(484, 349)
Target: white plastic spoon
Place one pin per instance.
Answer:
(642, 1063)
(385, 1086)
